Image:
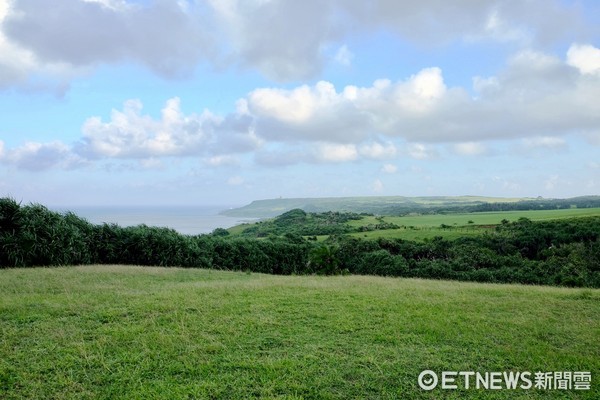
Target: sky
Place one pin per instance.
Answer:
(221, 102)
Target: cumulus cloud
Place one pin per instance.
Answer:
(469, 148)
(173, 37)
(586, 58)
(352, 114)
(378, 151)
(222, 160)
(330, 152)
(290, 51)
(420, 151)
(538, 98)
(547, 142)
(85, 33)
(131, 134)
(535, 95)
(34, 156)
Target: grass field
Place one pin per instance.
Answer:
(420, 227)
(273, 207)
(102, 332)
(480, 218)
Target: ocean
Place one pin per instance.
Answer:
(189, 220)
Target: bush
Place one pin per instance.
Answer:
(561, 252)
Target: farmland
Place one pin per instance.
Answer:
(556, 251)
(428, 226)
(146, 332)
(449, 226)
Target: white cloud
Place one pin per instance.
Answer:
(130, 134)
(329, 152)
(537, 95)
(544, 142)
(290, 51)
(377, 150)
(75, 34)
(586, 58)
(34, 156)
(420, 151)
(469, 148)
(223, 160)
(321, 112)
(88, 33)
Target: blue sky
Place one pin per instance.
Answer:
(189, 102)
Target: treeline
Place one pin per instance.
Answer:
(523, 205)
(561, 252)
(32, 235)
(299, 222)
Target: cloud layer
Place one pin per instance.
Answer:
(537, 98)
(172, 38)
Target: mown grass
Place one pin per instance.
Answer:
(100, 332)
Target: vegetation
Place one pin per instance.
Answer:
(399, 205)
(555, 252)
(100, 332)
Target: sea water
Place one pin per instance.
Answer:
(189, 220)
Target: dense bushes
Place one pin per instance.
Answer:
(560, 252)
(298, 222)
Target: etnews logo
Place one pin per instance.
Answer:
(449, 380)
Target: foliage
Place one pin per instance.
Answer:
(298, 222)
(559, 252)
(399, 205)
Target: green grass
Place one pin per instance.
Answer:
(101, 332)
(427, 226)
(480, 218)
(420, 227)
(273, 207)
(420, 234)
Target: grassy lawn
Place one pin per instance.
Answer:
(167, 333)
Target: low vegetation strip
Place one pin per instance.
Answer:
(100, 332)
(562, 252)
(399, 205)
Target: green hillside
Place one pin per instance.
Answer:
(102, 332)
(399, 205)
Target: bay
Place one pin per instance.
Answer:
(189, 220)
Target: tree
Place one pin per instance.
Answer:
(324, 260)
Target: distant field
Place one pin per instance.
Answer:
(170, 333)
(481, 218)
(428, 226)
(421, 227)
(273, 207)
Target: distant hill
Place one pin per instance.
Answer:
(400, 205)
(382, 205)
